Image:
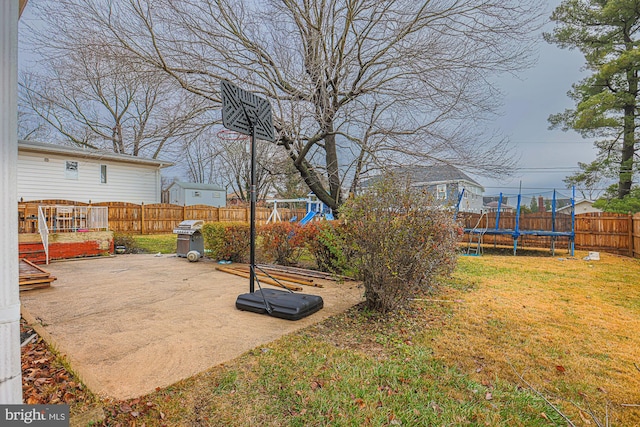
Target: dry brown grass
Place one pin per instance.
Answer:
(570, 327)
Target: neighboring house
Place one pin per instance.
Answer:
(491, 204)
(60, 172)
(445, 182)
(582, 206)
(493, 207)
(190, 193)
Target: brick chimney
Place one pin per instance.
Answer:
(541, 207)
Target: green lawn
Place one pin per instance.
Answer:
(152, 244)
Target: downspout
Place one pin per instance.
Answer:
(10, 366)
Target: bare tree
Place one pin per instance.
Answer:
(353, 83)
(234, 169)
(99, 101)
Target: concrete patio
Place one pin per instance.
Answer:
(131, 323)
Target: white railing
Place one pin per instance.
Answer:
(44, 232)
(69, 218)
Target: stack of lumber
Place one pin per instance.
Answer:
(302, 272)
(33, 277)
(286, 277)
(290, 283)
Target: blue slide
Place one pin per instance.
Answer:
(308, 217)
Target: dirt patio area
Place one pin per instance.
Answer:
(131, 323)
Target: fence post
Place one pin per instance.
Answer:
(184, 212)
(630, 222)
(142, 218)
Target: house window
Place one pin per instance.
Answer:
(71, 170)
(103, 174)
(196, 194)
(441, 192)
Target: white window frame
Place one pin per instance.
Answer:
(103, 174)
(441, 191)
(71, 169)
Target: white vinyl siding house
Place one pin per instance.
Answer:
(190, 193)
(57, 172)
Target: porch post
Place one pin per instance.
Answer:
(10, 367)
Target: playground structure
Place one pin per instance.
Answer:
(550, 224)
(314, 209)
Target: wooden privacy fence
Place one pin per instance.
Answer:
(605, 232)
(161, 217)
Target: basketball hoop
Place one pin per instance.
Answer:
(230, 135)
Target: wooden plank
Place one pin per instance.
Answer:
(281, 276)
(305, 272)
(35, 281)
(262, 278)
(27, 269)
(35, 286)
(33, 276)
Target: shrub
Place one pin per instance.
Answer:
(227, 241)
(402, 241)
(280, 242)
(126, 240)
(326, 242)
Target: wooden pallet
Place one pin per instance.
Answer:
(33, 277)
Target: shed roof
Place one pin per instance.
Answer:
(88, 153)
(197, 186)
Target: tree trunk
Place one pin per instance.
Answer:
(628, 143)
(333, 170)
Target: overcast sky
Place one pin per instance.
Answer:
(546, 156)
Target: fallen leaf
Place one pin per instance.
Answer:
(543, 415)
(488, 396)
(584, 419)
(560, 369)
(33, 400)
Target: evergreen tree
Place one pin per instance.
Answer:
(607, 33)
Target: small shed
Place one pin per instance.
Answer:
(192, 193)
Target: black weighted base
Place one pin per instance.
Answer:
(282, 304)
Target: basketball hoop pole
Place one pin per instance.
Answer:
(252, 203)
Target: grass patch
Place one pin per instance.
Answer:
(154, 243)
(568, 325)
